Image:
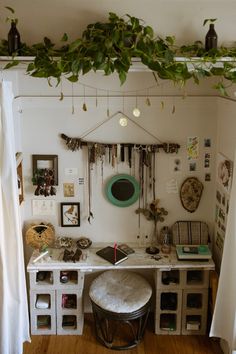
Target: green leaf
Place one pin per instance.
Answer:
(170, 40)
(211, 20)
(11, 64)
(73, 78)
(10, 9)
(75, 45)
(221, 87)
(64, 38)
(122, 76)
(30, 67)
(148, 31)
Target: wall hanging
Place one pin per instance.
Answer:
(40, 236)
(139, 157)
(70, 214)
(190, 193)
(45, 174)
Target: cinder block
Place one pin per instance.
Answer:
(36, 315)
(47, 283)
(194, 322)
(195, 300)
(73, 279)
(168, 323)
(63, 311)
(169, 279)
(195, 278)
(76, 329)
(162, 297)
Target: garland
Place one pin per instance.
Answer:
(110, 47)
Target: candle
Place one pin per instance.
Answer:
(115, 247)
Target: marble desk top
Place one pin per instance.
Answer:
(91, 261)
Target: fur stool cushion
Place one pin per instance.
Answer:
(120, 291)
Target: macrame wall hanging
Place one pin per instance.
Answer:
(141, 158)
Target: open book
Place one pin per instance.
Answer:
(112, 255)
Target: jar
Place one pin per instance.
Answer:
(64, 277)
(166, 242)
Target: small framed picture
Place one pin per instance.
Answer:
(68, 189)
(70, 214)
(46, 162)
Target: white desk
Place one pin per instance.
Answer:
(184, 288)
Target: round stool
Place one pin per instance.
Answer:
(120, 302)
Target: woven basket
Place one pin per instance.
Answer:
(40, 236)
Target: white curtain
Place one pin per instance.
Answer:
(224, 317)
(14, 321)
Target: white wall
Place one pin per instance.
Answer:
(183, 19)
(44, 119)
(226, 145)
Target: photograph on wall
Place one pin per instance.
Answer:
(68, 189)
(219, 241)
(224, 172)
(193, 147)
(207, 142)
(70, 214)
(192, 166)
(207, 177)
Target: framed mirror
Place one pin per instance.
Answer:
(122, 190)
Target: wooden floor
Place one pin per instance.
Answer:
(151, 344)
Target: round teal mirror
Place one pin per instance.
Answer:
(122, 190)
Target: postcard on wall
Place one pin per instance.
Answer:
(193, 147)
(224, 172)
(68, 189)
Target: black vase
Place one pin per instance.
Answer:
(13, 39)
(211, 38)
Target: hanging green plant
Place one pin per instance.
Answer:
(111, 46)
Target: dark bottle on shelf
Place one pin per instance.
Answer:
(211, 38)
(13, 39)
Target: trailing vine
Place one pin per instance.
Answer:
(111, 46)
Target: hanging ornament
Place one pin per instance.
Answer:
(96, 97)
(148, 102)
(108, 110)
(72, 99)
(123, 122)
(84, 104)
(136, 111)
(61, 94)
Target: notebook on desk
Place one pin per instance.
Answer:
(194, 252)
(112, 255)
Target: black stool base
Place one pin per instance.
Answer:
(108, 324)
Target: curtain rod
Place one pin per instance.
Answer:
(118, 96)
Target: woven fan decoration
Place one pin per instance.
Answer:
(40, 236)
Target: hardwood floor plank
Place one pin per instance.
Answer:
(151, 344)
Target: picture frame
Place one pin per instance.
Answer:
(224, 172)
(70, 214)
(46, 162)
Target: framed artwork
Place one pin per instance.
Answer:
(49, 162)
(224, 172)
(68, 189)
(70, 214)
